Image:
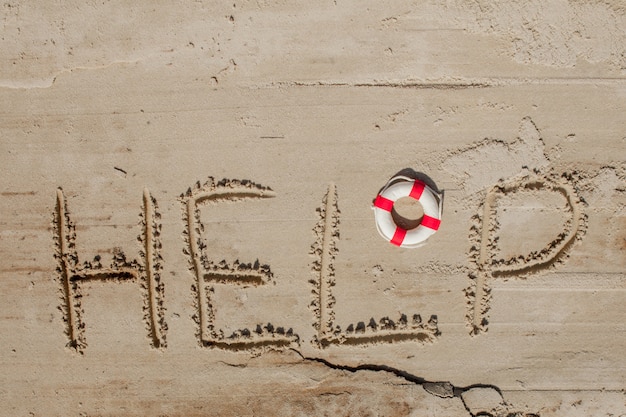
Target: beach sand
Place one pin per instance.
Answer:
(186, 219)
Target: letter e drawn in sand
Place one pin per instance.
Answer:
(324, 249)
(486, 244)
(208, 273)
(148, 272)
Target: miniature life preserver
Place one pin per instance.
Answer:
(395, 189)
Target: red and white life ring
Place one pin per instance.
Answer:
(395, 189)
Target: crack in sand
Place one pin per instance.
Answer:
(446, 83)
(442, 389)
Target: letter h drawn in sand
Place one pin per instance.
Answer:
(484, 238)
(148, 272)
(208, 273)
(386, 330)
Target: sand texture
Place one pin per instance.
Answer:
(186, 219)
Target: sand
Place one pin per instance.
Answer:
(186, 219)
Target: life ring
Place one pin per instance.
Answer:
(395, 189)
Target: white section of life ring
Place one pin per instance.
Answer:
(395, 189)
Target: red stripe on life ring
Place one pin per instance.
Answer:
(417, 190)
(383, 203)
(430, 222)
(398, 236)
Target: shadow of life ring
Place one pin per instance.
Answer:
(397, 188)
